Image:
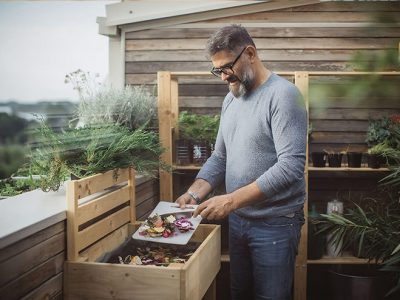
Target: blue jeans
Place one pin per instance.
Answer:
(262, 256)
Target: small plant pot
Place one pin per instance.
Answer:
(318, 159)
(354, 159)
(200, 152)
(316, 242)
(183, 152)
(374, 161)
(335, 160)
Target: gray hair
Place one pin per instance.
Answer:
(229, 38)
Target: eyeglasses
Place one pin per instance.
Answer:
(228, 68)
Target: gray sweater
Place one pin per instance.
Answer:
(262, 138)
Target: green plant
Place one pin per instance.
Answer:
(132, 106)
(93, 149)
(378, 131)
(198, 127)
(373, 228)
(11, 187)
(379, 149)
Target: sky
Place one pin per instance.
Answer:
(42, 41)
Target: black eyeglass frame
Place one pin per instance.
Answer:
(218, 71)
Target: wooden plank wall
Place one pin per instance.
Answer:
(317, 37)
(33, 267)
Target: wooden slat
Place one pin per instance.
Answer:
(102, 204)
(300, 275)
(343, 260)
(369, 102)
(269, 43)
(146, 68)
(31, 241)
(22, 285)
(322, 16)
(106, 244)
(164, 116)
(72, 224)
(27, 260)
(51, 289)
(96, 231)
(349, 114)
(123, 282)
(262, 32)
(265, 55)
(340, 125)
(341, 6)
(132, 195)
(146, 206)
(99, 182)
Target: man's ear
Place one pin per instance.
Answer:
(251, 53)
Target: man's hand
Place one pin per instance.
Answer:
(215, 208)
(185, 199)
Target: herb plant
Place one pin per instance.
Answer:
(93, 149)
(198, 127)
(132, 106)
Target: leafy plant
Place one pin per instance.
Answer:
(378, 131)
(11, 187)
(93, 149)
(131, 106)
(198, 127)
(379, 149)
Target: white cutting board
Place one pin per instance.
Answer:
(171, 208)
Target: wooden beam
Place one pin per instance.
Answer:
(164, 123)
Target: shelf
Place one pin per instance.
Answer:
(225, 257)
(326, 260)
(186, 167)
(347, 169)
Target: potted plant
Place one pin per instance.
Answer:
(334, 158)
(374, 226)
(93, 149)
(132, 106)
(376, 153)
(354, 158)
(197, 137)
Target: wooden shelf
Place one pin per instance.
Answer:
(225, 257)
(346, 169)
(186, 167)
(326, 260)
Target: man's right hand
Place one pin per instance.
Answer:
(185, 199)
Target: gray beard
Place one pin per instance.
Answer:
(245, 85)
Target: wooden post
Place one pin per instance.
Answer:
(72, 225)
(300, 275)
(164, 125)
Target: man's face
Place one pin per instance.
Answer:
(240, 77)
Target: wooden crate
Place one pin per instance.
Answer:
(100, 217)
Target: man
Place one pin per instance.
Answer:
(260, 152)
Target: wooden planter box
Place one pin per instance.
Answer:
(100, 217)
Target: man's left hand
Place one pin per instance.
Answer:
(215, 208)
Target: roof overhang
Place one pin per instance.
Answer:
(140, 15)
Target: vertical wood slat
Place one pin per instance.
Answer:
(72, 225)
(78, 214)
(164, 122)
(132, 194)
(300, 276)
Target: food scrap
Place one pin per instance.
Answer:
(159, 256)
(157, 226)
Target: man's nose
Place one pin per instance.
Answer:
(224, 77)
